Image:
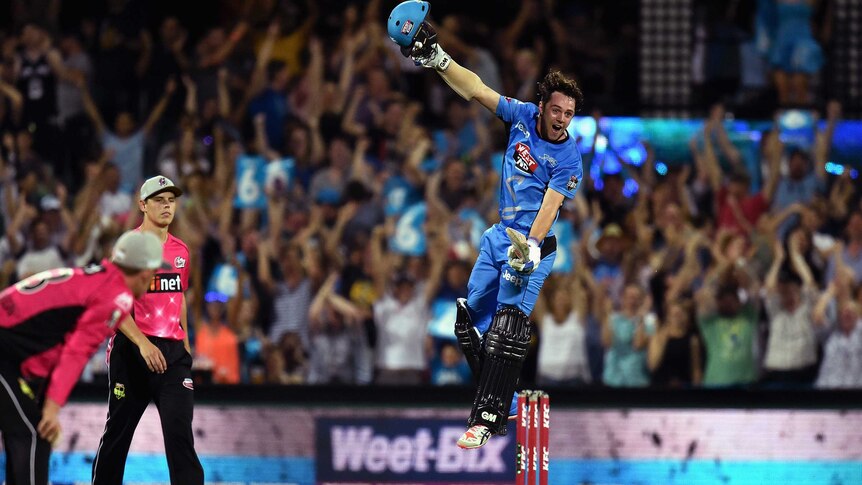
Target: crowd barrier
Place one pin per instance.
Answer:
(328, 435)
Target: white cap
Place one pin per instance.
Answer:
(139, 250)
(158, 184)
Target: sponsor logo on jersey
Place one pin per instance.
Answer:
(179, 262)
(119, 390)
(573, 183)
(124, 301)
(188, 384)
(514, 279)
(551, 160)
(524, 161)
(165, 283)
(523, 129)
(407, 27)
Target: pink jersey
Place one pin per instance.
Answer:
(158, 312)
(54, 321)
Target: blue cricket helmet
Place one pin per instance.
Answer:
(405, 20)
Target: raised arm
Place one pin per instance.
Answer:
(462, 80)
(261, 140)
(90, 108)
(66, 216)
(160, 107)
(15, 98)
(551, 204)
(819, 313)
(797, 260)
(823, 141)
(224, 51)
(468, 85)
(724, 144)
(223, 93)
(258, 76)
(770, 283)
(706, 163)
(318, 303)
(191, 105)
(437, 254)
(264, 272)
(773, 151)
(655, 350)
(379, 262)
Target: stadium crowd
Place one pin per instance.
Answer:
(332, 219)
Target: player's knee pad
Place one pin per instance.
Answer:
(504, 352)
(468, 336)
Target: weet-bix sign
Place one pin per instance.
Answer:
(408, 450)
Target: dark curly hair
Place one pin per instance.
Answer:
(559, 82)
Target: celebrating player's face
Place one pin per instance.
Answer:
(160, 208)
(556, 114)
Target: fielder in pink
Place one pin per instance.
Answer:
(161, 316)
(50, 325)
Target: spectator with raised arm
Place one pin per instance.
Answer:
(790, 296)
(625, 334)
(127, 141)
(727, 315)
(402, 315)
(292, 289)
(806, 173)
(674, 352)
(339, 351)
(839, 317)
(851, 254)
(562, 320)
(736, 207)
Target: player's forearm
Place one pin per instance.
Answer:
(542, 225)
(130, 329)
(184, 322)
(546, 216)
(462, 80)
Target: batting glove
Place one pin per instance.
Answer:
(436, 58)
(524, 254)
(426, 52)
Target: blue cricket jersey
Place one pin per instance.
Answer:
(531, 165)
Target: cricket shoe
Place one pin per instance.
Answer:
(474, 437)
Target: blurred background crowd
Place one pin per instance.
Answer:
(335, 193)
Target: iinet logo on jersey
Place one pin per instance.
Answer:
(166, 283)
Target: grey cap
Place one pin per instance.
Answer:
(139, 250)
(158, 184)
